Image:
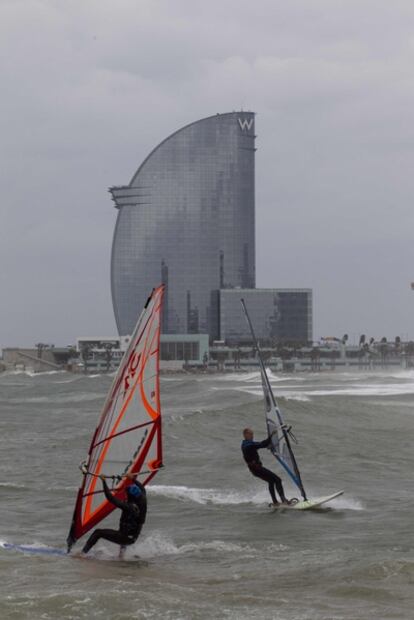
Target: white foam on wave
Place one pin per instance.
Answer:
(206, 496)
(286, 377)
(239, 376)
(52, 488)
(157, 544)
(249, 377)
(12, 485)
(300, 396)
(82, 376)
(366, 390)
(350, 390)
(56, 399)
(59, 487)
(345, 502)
(232, 497)
(360, 384)
(391, 374)
(31, 373)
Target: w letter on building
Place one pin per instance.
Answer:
(245, 124)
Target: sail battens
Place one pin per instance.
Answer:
(127, 430)
(127, 438)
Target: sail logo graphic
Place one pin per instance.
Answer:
(245, 124)
(133, 364)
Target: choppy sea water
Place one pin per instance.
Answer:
(210, 548)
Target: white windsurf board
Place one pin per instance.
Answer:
(308, 504)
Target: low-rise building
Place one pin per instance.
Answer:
(103, 354)
(40, 358)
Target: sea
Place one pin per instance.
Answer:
(211, 547)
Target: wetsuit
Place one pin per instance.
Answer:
(251, 456)
(130, 523)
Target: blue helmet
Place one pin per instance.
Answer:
(133, 491)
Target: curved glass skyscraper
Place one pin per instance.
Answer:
(187, 219)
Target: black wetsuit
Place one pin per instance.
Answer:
(130, 523)
(251, 456)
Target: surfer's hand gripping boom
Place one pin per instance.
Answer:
(285, 429)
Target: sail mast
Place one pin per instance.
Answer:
(281, 446)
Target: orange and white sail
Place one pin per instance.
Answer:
(128, 437)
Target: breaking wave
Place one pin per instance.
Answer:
(366, 390)
(351, 390)
(206, 496)
(346, 503)
(12, 485)
(31, 373)
(287, 395)
(247, 377)
(232, 497)
(158, 545)
(58, 399)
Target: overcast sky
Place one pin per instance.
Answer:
(89, 87)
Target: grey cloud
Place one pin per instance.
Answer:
(89, 88)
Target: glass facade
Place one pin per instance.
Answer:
(187, 219)
(184, 347)
(278, 316)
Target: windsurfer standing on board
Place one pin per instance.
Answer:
(250, 455)
(134, 511)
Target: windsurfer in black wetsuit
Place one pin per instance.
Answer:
(250, 454)
(134, 511)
